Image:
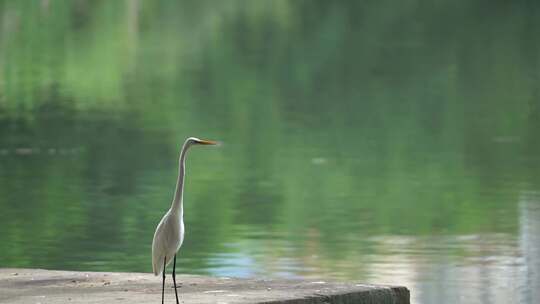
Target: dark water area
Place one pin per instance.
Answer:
(380, 142)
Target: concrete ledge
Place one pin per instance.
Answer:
(48, 286)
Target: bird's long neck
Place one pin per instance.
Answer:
(177, 204)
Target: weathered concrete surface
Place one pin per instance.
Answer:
(46, 286)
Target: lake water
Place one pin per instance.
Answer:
(379, 142)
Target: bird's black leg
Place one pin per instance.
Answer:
(163, 285)
(174, 279)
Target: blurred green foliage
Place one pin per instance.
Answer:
(342, 120)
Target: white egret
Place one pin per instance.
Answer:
(169, 233)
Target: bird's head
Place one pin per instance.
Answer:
(197, 141)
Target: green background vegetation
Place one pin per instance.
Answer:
(343, 121)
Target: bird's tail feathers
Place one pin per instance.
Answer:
(157, 267)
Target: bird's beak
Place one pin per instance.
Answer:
(207, 142)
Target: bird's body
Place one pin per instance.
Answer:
(169, 233)
(168, 238)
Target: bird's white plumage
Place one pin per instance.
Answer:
(168, 238)
(169, 233)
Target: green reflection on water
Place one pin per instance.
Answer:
(348, 127)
